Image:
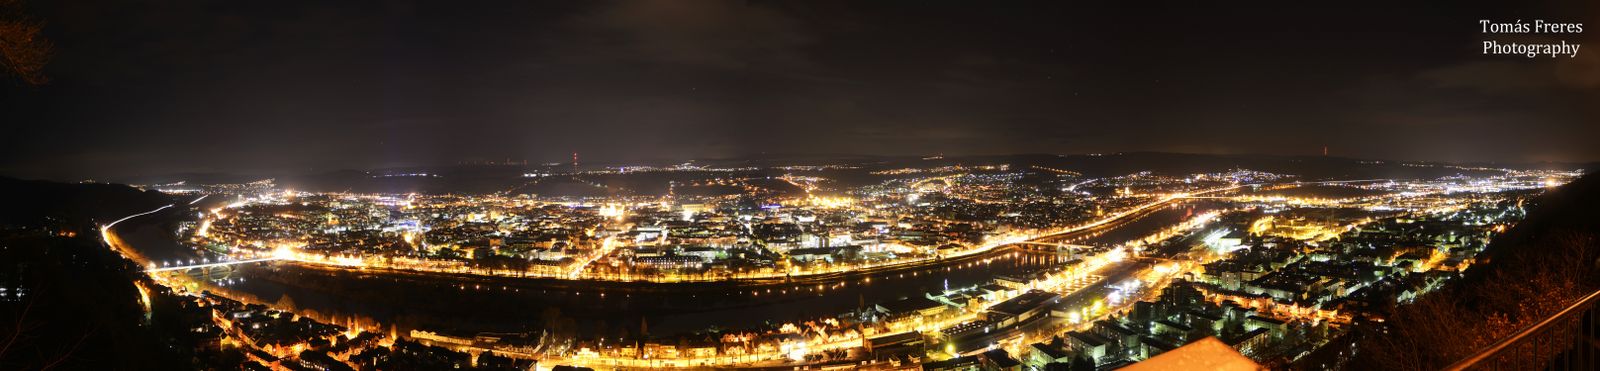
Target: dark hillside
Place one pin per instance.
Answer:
(1542, 265)
(66, 300)
(35, 202)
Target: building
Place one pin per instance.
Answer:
(908, 343)
(966, 363)
(1041, 354)
(1021, 309)
(1089, 345)
(1122, 337)
(1255, 322)
(998, 360)
(915, 307)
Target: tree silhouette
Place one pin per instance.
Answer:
(1082, 363)
(285, 303)
(23, 50)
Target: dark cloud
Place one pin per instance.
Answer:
(1495, 76)
(718, 34)
(143, 87)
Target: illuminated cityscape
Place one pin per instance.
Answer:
(798, 185)
(1034, 265)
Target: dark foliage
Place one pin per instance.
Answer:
(1539, 267)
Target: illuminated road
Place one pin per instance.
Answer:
(1125, 213)
(1108, 221)
(605, 249)
(116, 244)
(103, 228)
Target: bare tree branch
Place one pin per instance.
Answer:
(17, 331)
(68, 354)
(24, 51)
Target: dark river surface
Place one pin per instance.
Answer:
(469, 304)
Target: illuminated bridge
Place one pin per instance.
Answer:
(211, 265)
(1058, 249)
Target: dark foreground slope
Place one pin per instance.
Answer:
(68, 302)
(1546, 263)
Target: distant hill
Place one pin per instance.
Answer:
(1307, 167)
(481, 179)
(35, 202)
(194, 178)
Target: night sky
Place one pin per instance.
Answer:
(153, 87)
